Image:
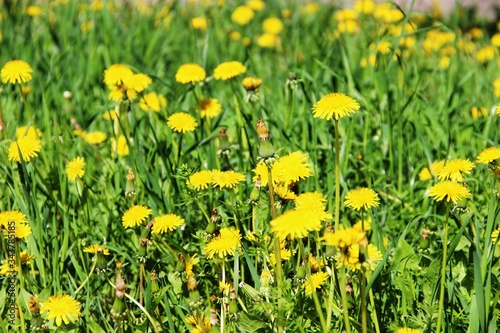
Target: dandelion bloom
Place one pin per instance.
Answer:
(229, 70)
(336, 105)
(408, 330)
(427, 173)
(166, 223)
(62, 308)
(34, 11)
(200, 180)
(449, 190)
(27, 147)
(314, 282)
(295, 224)
(96, 248)
(287, 169)
(190, 73)
(268, 40)
(453, 169)
(344, 238)
(120, 146)
(251, 83)
(200, 323)
(190, 262)
(16, 71)
(94, 138)
(74, 169)
(6, 268)
(12, 216)
(225, 244)
(365, 224)
(227, 179)
(488, 155)
(22, 230)
(242, 15)
(135, 215)
(284, 192)
(182, 122)
(352, 259)
(361, 198)
(199, 23)
(256, 5)
(116, 74)
(494, 237)
(210, 108)
(313, 203)
(272, 25)
(152, 101)
(123, 83)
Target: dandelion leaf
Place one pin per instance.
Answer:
(248, 323)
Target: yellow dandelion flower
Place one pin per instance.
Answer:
(190, 73)
(250, 236)
(453, 169)
(449, 190)
(229, 70)
(488, 155)
(225, 244)
(16, 71)
(34, 11)
(313, 203)
(285, 254)
(182, 122)
(74, 169)
(28, 131)
(8, 268)
(284, 192)
(494, 237)
(200, 180)
(116, 74)
(256, 5)
(22, 230)
(242, 15)
(166, 223)
(336, 105)
(364, 6)
(200, 323)
(485, 54)
(295, 224)
(120, 146)
(251, 83)
(12, 216)
(27, 147)
(268, 40)
(135, 215)
(367, 262)
(96, 248)
(111, 115)
(62, 308)
(344, 238)
(152, 102)
(199, 23)
(190, 262)
(94, 138)
(293, 167)
(408, 330)
(361, 198)
(427, 173)
(314, 282)
(210, 108)
(227, 179)
(272, 25)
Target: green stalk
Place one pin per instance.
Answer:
(223, 307)
(363, 304)
(329, 310)
(374, 311)
(277, 249)
(443, 269)
(345, 310)
(87, 278)
(337, 175)
(21, 287)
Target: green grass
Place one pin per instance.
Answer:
(413, 112)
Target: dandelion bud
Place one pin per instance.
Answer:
(154, 282)
(251, 84)
(130, 186)
(210, 228)
(224, 144)
(250, 292)
(215, 215)
(266, 148)
(301, 272)
(255, 194)
(213, 317)
(101, 263)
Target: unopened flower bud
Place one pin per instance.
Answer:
(130, 191)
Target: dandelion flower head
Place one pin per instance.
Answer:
(166, 223)
(336, 105)
(152, 101)
(242, 15)
(135, 215)
(344, 238)
(315, 282)
(229, 70)
(449, 190)
(201, 180)
(488, 155)
(287, 169)
(74, 169)
(494, 237)
(120, 146)
(408, 330)
(210, 108)
(225, 244)
(200, 323)
(182, 122)
(313, 203)
(28, 131)
(272, 25)
(16, 71)
(295, 224)
(12, 216)
(190, 73)
(199, 23)
(361, 198)
(62, 308)
(96, 248)
(353, 260)
(227, 179)
(26, 147)
(453, 169)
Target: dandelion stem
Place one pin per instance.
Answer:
(222, 308)
(345, 306)
(374, 311)
(363, 303)
(443, 269)
(277, 248)
(21, 287)
(87, 278)
(337, 176)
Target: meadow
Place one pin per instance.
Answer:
(248, 166)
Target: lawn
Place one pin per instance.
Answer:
(248, 166)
